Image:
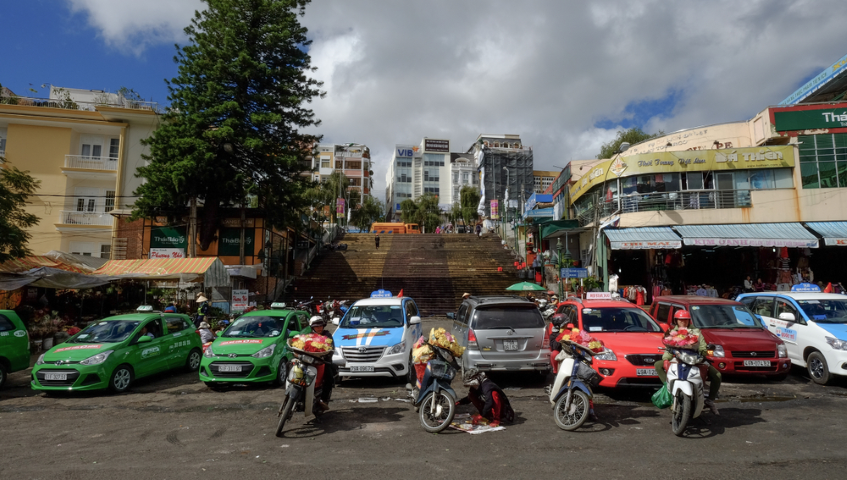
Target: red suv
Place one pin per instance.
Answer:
(743, 345)
(631, 337)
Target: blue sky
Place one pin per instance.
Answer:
(44, 42)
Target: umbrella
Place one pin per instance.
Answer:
(526, 287)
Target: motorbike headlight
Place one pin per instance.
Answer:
(718, 351)
(836, 343)
(209, 353)
(40, 360)
(265, 352)
(97, 359)
(781, 351)
(607, 355)
(399, 348)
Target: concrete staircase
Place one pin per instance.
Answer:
(433, 269)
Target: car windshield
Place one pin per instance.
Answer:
(373, 316)
(611, 319)
(507, 317)
(106, 332)
(825, 311)
(255, 327)
(724, 316)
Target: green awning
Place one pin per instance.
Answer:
(557, 228)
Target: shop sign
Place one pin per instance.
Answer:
(776, 156)
(750, 242)
(574, 273)
(381, 294)
(647, 245)
(239, 300)
(836, 241)
(168, 237)
(809, 119)
(817, 82)
(236, 222)
(598, 296)
(540, 213)
(806, 287)
(229, 242)
(495, 209)
(166, 253)
(406, 150)
(431, 145)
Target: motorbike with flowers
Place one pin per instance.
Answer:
(571, 394)
(436, 366)
(304, 385)
(685, 380)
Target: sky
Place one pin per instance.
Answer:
(565, 75)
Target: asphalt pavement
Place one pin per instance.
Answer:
(172, 426)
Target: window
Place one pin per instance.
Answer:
(175, 324)
(617, 320)
(105, 251)
(823, 160)
(507, 317)
(86, 199)
(783, 306)
(85, 249)
(114, 148)
(662, 312)
(326, 162)
(357, 165)
(430, 175)
(433, 160)
(411, 310)
(455, 178)
(431, 190)
(2, 139)
(693, 180)
(763, 306)
(761, 179)
(6, 325)
(91, 146)
(339, 164)
(465, 178)
(110, 200)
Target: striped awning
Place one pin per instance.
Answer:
(159, 266)
(642, 238)
(26, 264)
(118, 267)
(748, 235)
(833, 233)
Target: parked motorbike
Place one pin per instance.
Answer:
(436, 400)
(306, 306)
(301, 393)
(336, 246)
(571, 393)
(685, 384)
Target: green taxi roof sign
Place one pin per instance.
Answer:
(278, 305)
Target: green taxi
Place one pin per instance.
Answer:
(14, 345)
(253, 348)
(113, 352)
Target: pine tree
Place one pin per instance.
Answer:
(232, 129)
(15, 187)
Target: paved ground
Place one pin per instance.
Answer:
(172, 426)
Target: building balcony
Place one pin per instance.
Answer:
(653, 202)
(83, 166)
(113, 101)
(85, 219)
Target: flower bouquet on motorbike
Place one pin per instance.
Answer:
(582, 339)
(682, 338)
(311, 344)
(422, 351)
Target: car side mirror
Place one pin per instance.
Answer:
(787, 316)
(336, 320)
(415, 320)
(144, 339)
(451, 315)
(759, 317)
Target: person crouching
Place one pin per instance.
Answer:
(488, 398)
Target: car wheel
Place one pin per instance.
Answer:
(411, 375)
(816, 365)
(281, 373)
(3, 375)
(121, 379)
(192, 363)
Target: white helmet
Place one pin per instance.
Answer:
(317, 320)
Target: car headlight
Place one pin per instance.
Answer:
(97, 359)
(718, 351)
(781, 352)
(399, 348)
(40, 360)
(836, 343)
(607, 355)
(265, 352)
(208, 352)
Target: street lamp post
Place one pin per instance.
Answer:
(559, 258)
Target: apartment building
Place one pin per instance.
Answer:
(84, 147)
(353, 159)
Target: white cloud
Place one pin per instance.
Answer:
(549, 70)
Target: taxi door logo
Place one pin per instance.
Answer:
(150, 352)
(20, 333)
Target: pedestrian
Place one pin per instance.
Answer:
(488, 398)
(206, 334)
(748, 285)
(376, 240)
(171, 308)
(202, 309)
(466, 296)
(478, 230)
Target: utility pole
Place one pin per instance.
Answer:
(192, 229)
(241, 243)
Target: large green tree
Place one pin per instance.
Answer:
(632, 136)
(233, 126)
(469, 199)
(370, 211)
(423, 211)
(15, 188)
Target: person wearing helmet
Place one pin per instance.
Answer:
(487, 397)
(326, 372)
(682, 319)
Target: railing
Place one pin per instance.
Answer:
(91, 163)
(77, 105)
(650, 202)
(85, 218)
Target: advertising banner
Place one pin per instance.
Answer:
(229, 242)
(166, 253)
(432, 145)
(817, 117)
(574, 273)
(168, 237)
(495, 210)
(339, 206)
(239, 300)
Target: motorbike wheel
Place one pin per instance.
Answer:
(284, 413)
(445, 409)
(575, 416)
(681, 414)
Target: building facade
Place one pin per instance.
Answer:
(352, 159)
(416, 170)
(543, 179)
(502, 162)
(84, 147)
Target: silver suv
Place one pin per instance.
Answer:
(501, 334)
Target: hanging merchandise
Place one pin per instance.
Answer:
(784, 252)
(613, 283)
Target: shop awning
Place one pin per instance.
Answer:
(208, 270)
(748, 235)
(642, 238)
(833, 233)
(558, 228)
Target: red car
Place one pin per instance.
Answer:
(743, 345)
(631, 337)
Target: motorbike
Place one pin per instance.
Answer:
(306, 306)
(436, 400)
(685, 384)
(301, 394)
(571, 393)
(336, 246)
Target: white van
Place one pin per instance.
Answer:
(812, 324)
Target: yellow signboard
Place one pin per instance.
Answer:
(781, 156)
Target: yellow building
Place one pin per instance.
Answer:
(84, 146)
(543, 179)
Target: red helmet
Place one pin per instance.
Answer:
(682, 314)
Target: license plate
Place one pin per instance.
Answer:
(510, 345)
(362, 369)
(646, 372)
(229, 368)
(55, 376)
(757, 363)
